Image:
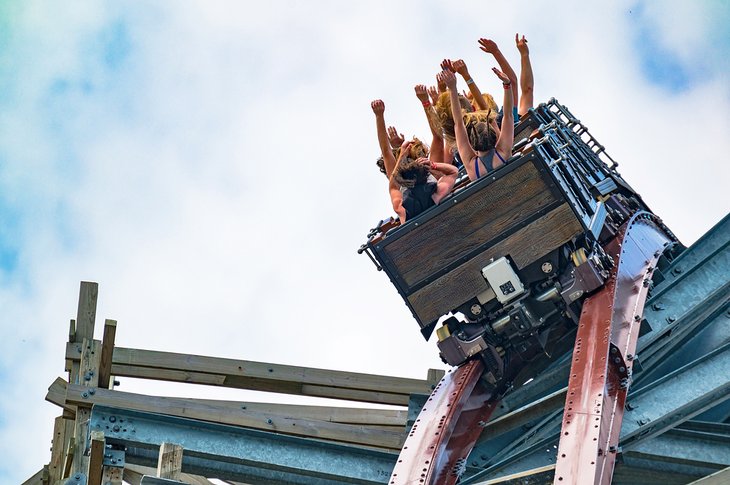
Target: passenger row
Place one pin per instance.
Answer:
(467, 130)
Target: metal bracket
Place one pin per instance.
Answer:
(76, 479)
(114, 458)
(150, 480)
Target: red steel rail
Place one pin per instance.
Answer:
(437, 447)
(445, 431)
(603, 354)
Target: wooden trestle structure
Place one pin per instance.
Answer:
(675, 428)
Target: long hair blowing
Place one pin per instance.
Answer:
(410, 173)
(445, 119)
(481, 136)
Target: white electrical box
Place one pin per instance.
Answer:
(504, 281)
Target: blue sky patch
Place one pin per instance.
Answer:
(117, 45)
(658, 64)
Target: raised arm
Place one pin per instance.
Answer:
(388, 159)
(445, 184)
(466, 151)
(396, 196)
(527, 82)
(437, 142)
(460, 67)
(490, 47)
(507, 133)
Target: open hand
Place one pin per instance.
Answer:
(396, 139)
(447, 65)
(434, 93)
(421, 93)
(448, 78)
(488, 46)
(501, 75)
(522, 45)
(460, 66)
(378, 107)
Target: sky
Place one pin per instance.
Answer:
(211, 165)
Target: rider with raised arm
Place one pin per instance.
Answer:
(412, 191)
(480, 148)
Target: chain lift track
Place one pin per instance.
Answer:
(447, 428)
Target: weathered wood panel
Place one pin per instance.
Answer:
(481, 216)
(262, 376)
(376, 436)
(466, 281)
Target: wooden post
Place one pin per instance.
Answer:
(107, 351)
(88, 377)
(62, 431)
(96, 458)
(169, 464)
(86, 314)
(112, 475)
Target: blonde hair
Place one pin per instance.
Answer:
(417, 150)
(445, 119)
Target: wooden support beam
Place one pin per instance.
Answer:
(112, 475)
(89, 378)
(132, 472)
(40, 477)
(261, 376)
(62, 432)
(96, 458)
(86, 314)
(169, 462)
(69, 458)
(391, 439)
(107, 350)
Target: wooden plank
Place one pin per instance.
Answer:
(112, 475)
(168, 375)
(107, 351)
(450, 235)
(96, 458)
(169, 462)
(347, 433)
(139, 471)
(39, 478)
(62, 431)
(86, 313)
(466, 281)
(333, 414)
(148, 364)
(57, 394)
(88, 377)
(69, 458)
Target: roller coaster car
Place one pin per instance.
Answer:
(504, 263)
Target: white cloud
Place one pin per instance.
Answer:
(221, 179)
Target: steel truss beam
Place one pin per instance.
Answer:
(240, 454)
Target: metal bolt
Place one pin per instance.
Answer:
(637, 317)
(112, 419)
(671, 319)
(612, 449)
(629, 356)
(642, 422)
(116, 428)
(85, 394)
(658, 306)
(269, 421)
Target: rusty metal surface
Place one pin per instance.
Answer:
(445, 431)
(602, 357)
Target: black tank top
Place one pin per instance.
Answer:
(417, 199)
